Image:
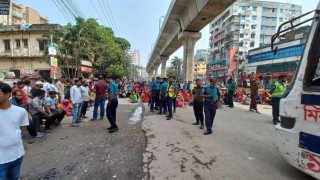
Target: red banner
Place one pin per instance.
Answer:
(86, 69)
(233, 63)
(54, 70)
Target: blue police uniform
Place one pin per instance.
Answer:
(231, 87)
(210, 105)
(112, 105)
(155, 86)
(163, 98)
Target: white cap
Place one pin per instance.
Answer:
(39, 83)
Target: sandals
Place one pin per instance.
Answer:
(74, 125)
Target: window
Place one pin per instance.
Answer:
(254, 8)
(244, 8)
(253, 26)
(264, 18)
(7, 46)
(293, 12)
(273, 28)
(25, 42)
(240, 53)
(262, 36)
(242, 17)
(241, 26)
(253, 35)
(18, 43)
(273, 19)
(264, 9)
(281, 19)
(312, 71)
(241, 44)
(274, 10)
(254, 18)
(263, 27)
(241, 35)
(281, 10)
(42, 45)
(251, 44)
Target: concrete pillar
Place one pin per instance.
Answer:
(164, 60)
(188, 40)
(156, 72)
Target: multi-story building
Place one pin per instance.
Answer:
(200, 69)
(135, 57)
(23, 52)
(201, 54)
(20, 14)
(243, 26)
(286, 60)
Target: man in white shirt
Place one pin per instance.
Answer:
(46, 86)
(11, 146)
(60, 86)
(76, 99)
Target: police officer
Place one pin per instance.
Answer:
(277, 90)
(198, 103)
(155, 87)
(174, 101)
(172, 91)
(163, 96)
(212, 97)
(231, 87)
(112, 105)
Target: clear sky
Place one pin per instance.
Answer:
(136, 20)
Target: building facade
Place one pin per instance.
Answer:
(243, 26)
(286, 60)
(200, 69)
(23, 52)
(20, 14)
(135, 57)
(201, 54)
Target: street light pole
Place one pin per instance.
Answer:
(161, 17)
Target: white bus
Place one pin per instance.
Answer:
(298, 134)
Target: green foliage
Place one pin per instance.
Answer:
(88, 40)
(175, 69)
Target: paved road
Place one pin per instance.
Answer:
(88, 152)
(242, 147)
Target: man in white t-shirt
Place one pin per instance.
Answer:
(11, 146)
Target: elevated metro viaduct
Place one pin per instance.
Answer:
(181, 26)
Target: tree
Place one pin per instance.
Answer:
(176, 63)
(123, 43)
(89, 40)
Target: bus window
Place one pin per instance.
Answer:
(312, 72)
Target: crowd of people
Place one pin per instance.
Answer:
(28, 105)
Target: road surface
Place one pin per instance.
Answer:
(242, 146)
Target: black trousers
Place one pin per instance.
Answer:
(198, 111)
(34, 126)
(275, 108)
(230, 98)
(112, 113)
(84, 108)
(49, 119)
(58, 115)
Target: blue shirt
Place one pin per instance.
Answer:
(185, 86)
(130, 87)
(52, 103)
(16, 102)
(164, 88)
(211, 90)
(113, 87)
(231, 86)
(155, 85)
